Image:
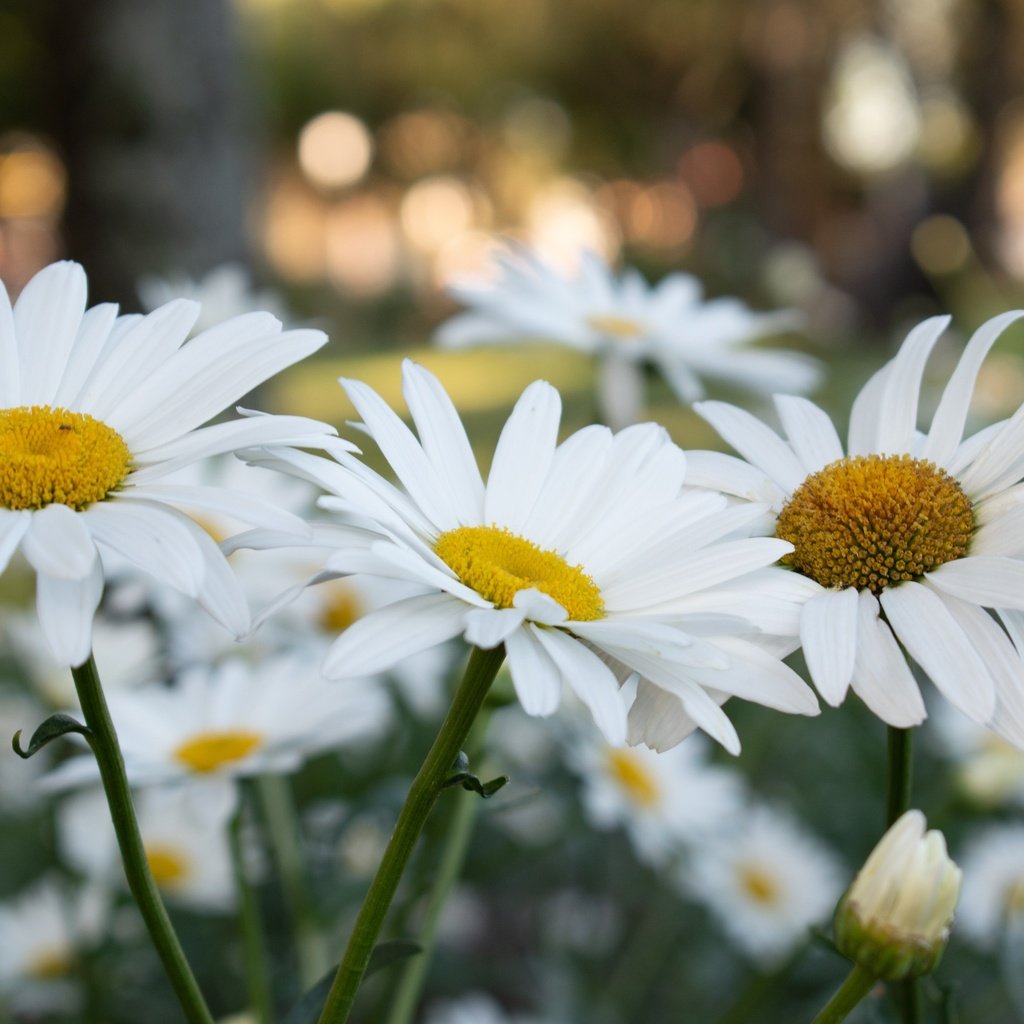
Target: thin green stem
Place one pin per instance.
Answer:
(423, 793)
(103, 740)
(249, 921)
(283, 825)
(900, 772)
(857, 985)
(458, 835)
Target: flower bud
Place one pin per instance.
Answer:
(894, 919)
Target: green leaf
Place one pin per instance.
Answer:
(53, 728)
(307, 1009)
(463, 777)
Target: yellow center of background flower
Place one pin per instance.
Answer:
(870, 521)
(208, 751)
(342, 608)
(166, 864)
(49, 964)
(497, 564)
(759, 884)
(632, 775)
(616, 326)
(55, 457)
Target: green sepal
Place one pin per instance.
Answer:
(463, 777)
(53, 728)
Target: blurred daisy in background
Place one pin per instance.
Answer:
(767, 882)
(627, 324)
(663, 801)
(95, 411)
(234, 720)
(184, 833)
(224, 292)
(473, 1008)
(570, 553)
(991, 909)
(907, 538)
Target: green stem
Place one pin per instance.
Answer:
(857, 985)
(457, 839)
(282, 823)
(901, 763)
(900, 773)
(423, 793)
(249, 921)
(103, 740)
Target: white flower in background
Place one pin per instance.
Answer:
(908, 538)
(767, 883)
(95, 411)
(987, 769)
(474, 1008)
(184, 833)
(894, 919)
(568, 550)
(626, 323)
(222, 293)
(235, 720)
(663, 801)
(992, 899)
(18, 711)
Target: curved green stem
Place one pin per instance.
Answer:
(857, 985)
(103, 740)
(423, 793)
(900, 773)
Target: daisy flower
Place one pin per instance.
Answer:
(663, 801)
(907, 538)
(232, 721)
(992, 895)
(767, 882)
(569, 553)
(95, 411)
(626, 323)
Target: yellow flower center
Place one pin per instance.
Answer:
(343, 607)
(166, 864)
(208, 751)
(55, 457)
(626, 768)
(618, 327)
(50, 963)
(497, 564)
(759, 885)
(871, 521)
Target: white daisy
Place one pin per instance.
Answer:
(664, 801)
(992, 894)
(569, 549)
(184, 833)
(626, 322)
(767, 882)
(235, 720)
(95, 411)
(474, 1008)
(907, 538)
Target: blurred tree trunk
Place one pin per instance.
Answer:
(146, 111)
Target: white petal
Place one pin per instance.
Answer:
(934, 639)
(828, 634)
(58, 543)
(810, 432)
(10, 377)
(1002, 534)
(46, 319)
(722, 472)
(591, 679)
(897, 416)
(444, 440)
(1000, 463)
(93, 336)
(755, 442)
(947, 427)
(659, 720)
(382, 638)
(523, 456)
(867, 406)
(405, 455)
(246, 508)
(881, 677)
(535, 676)
(13, 525)
(988, 580)
(756, 675)
(488, 627)
(66, 609)
(539, 607)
